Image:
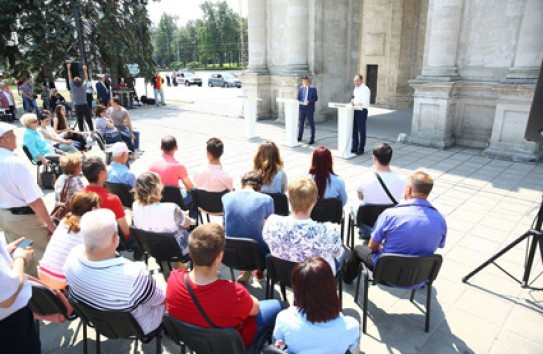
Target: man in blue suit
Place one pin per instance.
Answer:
(307, 95)
(102, 91)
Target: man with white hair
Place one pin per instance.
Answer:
(117, 171)
(99, 279)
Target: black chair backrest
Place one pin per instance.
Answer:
(123, 191)
(368, 213)
(242, 254)
(112, 324)
(172, 194)
(100, 140)
(204, 340)
(328, 209)
(405, 270)
(29, 156)
(279, 270)
(45, 302)
(209, 201)
(161, 246)
(280, 203)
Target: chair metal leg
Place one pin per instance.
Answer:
(428, 307)
(269, 288)
(340, 286)
(366, 286)
(284, 292)
(232, 274)
(208, 219)
(136, 345)
(412, 296)
(38, 327)
(159, 342)
(98, 349)
(357, 290)
(85, 339)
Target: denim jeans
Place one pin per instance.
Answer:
(161, 93)
(31, 104)
(189, 204)
(265, 318)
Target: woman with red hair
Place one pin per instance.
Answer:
(328, 183)
(315, 323)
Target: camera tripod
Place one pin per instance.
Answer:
(534, 236)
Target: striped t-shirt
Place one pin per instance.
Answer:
(116, 284)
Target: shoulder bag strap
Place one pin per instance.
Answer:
(197, 303)
(385, 188)
(64, 192)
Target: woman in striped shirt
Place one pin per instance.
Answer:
(66, 237)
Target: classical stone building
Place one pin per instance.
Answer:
(467, 67)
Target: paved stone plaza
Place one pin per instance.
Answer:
(486, 202)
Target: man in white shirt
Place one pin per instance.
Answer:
(99, 279)
(371, 191)
(22, 210)
(361, 99)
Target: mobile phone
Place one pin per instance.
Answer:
(25, 243)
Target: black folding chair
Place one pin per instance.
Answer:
(242, 254)
(162, 246)
(105, 147)
(280, 203)
(367, 214)
(209, 203)
(114, 325)
(171, 194)
(401, 271)
(203, 340)
(329, 210)
(123, 191)
(51, 168)
(44, 302)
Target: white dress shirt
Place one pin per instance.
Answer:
(17, 186)
(362, 95)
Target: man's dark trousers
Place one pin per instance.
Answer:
(306, 112)
(361, 253)
(359, 130)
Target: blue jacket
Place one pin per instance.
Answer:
(311, 96)
(102, 93)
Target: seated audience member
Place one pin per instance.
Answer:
(117, 171)
(94, 170)
(245, 212)
(315, 323)
(38, 147)
(18, 333)
(171, 172)
(104, 124)
(58, 100)
(71, 170)
(268, 161)
(48, 132)
(64, 239)
(97, 278)
(226, 304)
(371, 191)
(213, 178)
(7, 101)
(297, 237)
(149, 214)
(413, 227)
(121, 120)
(60, 125)
(329, 185)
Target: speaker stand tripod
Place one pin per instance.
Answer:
(534, 236)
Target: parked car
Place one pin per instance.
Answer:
(188, 79)
(224, 80)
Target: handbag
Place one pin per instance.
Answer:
(386, 189)
(61, 209)
(47, 179)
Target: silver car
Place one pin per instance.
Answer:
(224, 80)
(188, 79)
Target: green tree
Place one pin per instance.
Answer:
(165, 39)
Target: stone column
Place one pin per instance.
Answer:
(529, 52)
(297, 36)
(258, 40)
(442, 38)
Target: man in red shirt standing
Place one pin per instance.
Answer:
(171, 172)
(158, 83)
(226, 304)
(94, 170)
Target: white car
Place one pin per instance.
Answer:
(188, 79)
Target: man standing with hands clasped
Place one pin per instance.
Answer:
(307, 96)
(361, 98)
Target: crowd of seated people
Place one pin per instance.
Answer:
(81, 252)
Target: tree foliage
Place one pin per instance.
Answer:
(37, 35)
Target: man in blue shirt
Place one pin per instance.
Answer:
(413, 227)
(118, 172)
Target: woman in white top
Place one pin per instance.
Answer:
(64, 239)
(17, 327)
(149, 214)
(315, 324)
(54, 139)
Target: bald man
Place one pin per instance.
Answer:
(413, 227)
